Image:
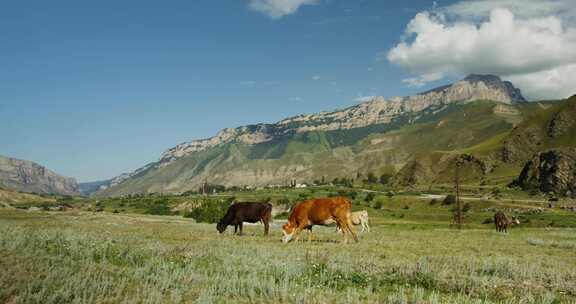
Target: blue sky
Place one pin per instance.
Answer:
(94, 89)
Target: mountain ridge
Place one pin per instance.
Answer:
(28, 176)
(327, 133)
(377, 110)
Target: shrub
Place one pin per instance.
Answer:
(211, 211)
(159, 207)
(281, 215)
(385, 178)
(433, 202)
(377, 205)
(371, 178)
(284, 202)
(449, 200)
(370, 197)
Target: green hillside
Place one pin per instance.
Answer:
(495, 138)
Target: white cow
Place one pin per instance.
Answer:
(359, 218)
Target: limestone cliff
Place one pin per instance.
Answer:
(27, 176)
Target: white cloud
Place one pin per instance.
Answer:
(554, 83)
(315, 77)
(279, 8)
(532, 43)
(423, 79)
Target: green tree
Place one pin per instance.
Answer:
(385, 178)
(371, 178)
(370, 197)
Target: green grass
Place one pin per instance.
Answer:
(412, 256)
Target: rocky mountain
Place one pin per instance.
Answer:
(552, 171)
(472, 117)
(27, 176)
(377, 110)
(88, 188)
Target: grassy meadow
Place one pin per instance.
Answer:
(412, 255)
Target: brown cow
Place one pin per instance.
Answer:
(502, 221)
(322, 211)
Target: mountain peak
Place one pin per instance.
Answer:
(494, 82)
(27, 176)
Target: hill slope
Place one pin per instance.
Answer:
(375, 136)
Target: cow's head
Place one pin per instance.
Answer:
(288, 232)
(515, 221)
(221, 227)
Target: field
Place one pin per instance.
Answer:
(411, 256)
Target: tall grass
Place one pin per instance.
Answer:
(142, 259)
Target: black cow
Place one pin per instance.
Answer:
(246, 212)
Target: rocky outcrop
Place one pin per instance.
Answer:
(521, 144)
(552, 171)
(554, 126)
(376, 110)
(27, 176)
(562, 122)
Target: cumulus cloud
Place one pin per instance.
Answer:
(316, 77)
(423, 79)
(532, 43)
(279, 8)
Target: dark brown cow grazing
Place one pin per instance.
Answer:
(502, 221)
(246, 212)
(322, 211)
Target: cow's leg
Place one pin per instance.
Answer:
(310, 237)
(240, 228)
(367, 225)
(342, 227)
(235, 229)
(296, 234)
(351, 229)
(266, 227)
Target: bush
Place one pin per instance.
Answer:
(211, 211)
(282, 215)
(349, 194)
(159, 207)
(433, 202)
(370, 197)
(377, 205)
(449, 200)
(371, 178)
(284, 202)
(385, 178)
